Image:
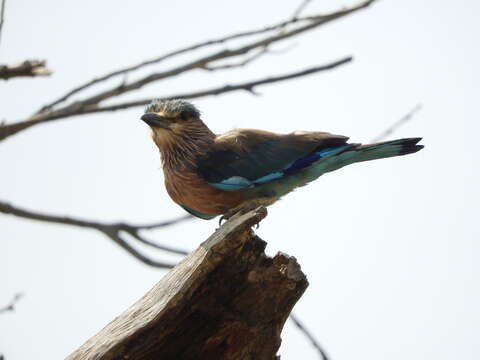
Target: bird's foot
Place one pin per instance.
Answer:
(221, 220)
(245, 208)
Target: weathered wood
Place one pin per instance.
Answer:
(226, 300)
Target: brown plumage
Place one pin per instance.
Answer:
(180, 145)
(210, 175)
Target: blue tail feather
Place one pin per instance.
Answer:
(312, 166)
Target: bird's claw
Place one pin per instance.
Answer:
(221, 220)
(242, 210)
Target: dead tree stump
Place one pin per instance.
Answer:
(226, 300)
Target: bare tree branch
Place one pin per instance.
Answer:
(402, 121)
(7, 130)
(220, 55)
(301, 7)
(29, 68)
(265, 49)
(242, 63)
(134, 232)
(91, 104)
(156, 60)
(202, 62)
(246, 86)
(114, 231)
(11, 305)
(309, 335)
(115, 236)
(159, 59)
(2, 13)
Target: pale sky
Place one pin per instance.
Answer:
(390, 247)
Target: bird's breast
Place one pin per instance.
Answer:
(187, 188)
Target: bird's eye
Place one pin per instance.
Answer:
(184, 115)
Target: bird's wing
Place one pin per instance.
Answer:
(244, 158)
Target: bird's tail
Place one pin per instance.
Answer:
(353, 153)
(335, 158)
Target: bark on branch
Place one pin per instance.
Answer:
(226, 300)
(29, 68)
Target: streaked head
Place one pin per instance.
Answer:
(171, 119)
(165, 114)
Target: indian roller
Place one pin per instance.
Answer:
(210, 175)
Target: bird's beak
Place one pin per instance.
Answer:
(156, 121)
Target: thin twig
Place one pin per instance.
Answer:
(116, 237)
(11, 305)
(114, 231)
(134, 232)
(402, 121)
(242, 63)
(2, 13)
(309, 335)
(263, 50)
(300, 8)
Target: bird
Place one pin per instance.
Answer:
(211, 175)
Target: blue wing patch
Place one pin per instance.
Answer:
(310, 159)
(269, 177)
(233, 183)
(239, 183)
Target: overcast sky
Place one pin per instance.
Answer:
(390, 247)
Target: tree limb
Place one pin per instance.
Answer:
(159, 59)
(76, 109)
(91, 104)
(29, 68)
(203, 62)
(246, 86)
(219, 55)
(226, 300)
(114, 231)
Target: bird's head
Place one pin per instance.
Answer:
(172, 120)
